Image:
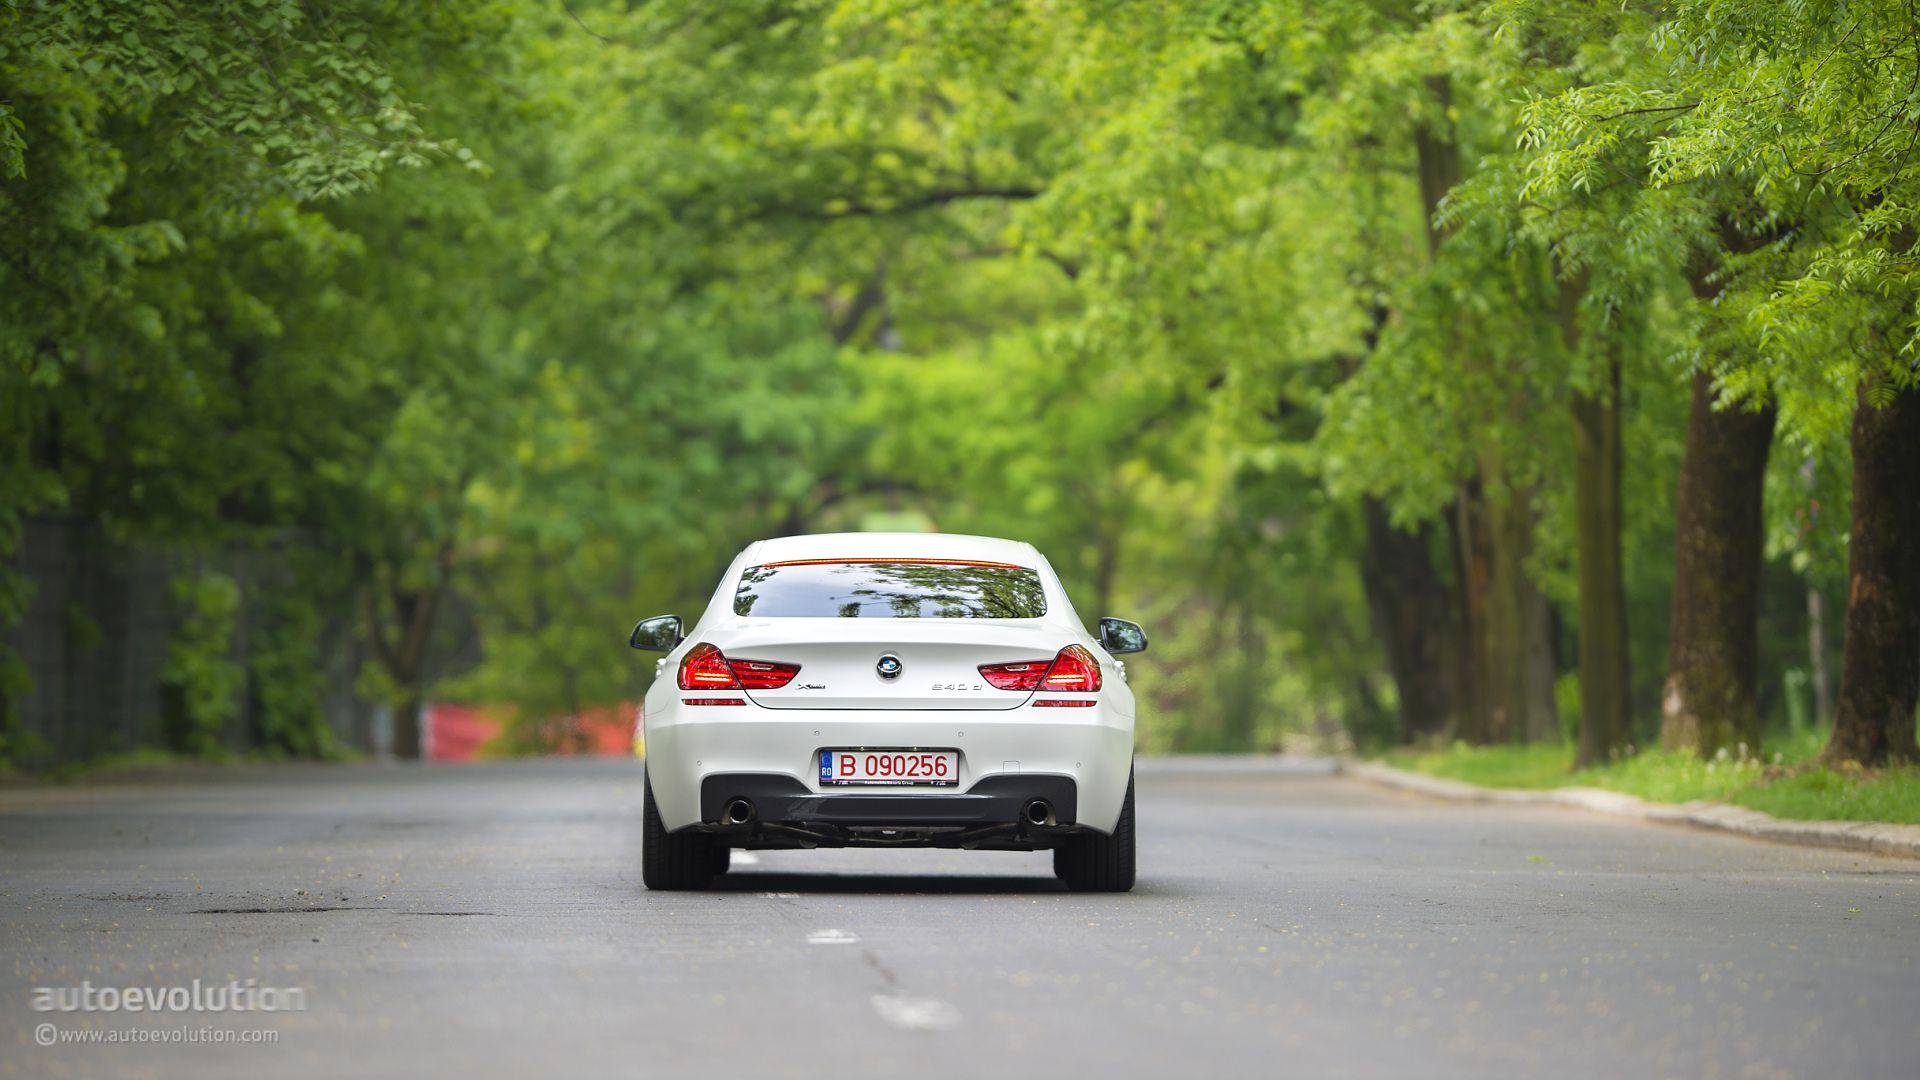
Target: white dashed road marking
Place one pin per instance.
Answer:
(832, 937)
(915, 1014)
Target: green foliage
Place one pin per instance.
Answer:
(505, 323)
(201, 682)
(284, 670)
(1793, 119)
(160, 252)
(18, 744)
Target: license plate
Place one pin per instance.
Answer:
(921, 768)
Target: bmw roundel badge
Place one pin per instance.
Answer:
(888, 666)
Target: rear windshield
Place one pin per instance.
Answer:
(896, 589)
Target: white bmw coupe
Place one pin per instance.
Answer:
(889, 690)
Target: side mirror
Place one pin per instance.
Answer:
(1120, 636)
(658, 634)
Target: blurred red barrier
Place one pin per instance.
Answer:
(456, 732)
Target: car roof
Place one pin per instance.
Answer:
(902, 545)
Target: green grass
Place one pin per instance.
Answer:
(156, 759)
(1538, 765)
(1822, 794)
(1781, 781)
(143, 759)
(1674, 776)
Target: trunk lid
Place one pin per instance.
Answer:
(840, 660)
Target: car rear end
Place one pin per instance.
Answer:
(887, 700)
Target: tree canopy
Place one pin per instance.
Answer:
(1358, 350)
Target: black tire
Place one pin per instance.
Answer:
(682, 860)
(1090, 862)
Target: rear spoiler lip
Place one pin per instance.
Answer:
(893, 559)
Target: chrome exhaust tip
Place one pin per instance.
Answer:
(1037, 812)
(737, 812)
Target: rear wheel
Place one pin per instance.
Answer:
(682, 860)
(1091, 862)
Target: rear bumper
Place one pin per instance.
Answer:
(700, 756)
(783, 800)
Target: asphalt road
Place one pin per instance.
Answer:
(490, 920)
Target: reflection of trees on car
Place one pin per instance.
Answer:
(891, 590)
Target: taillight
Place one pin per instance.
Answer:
(1073, 671)
(707, 668)
(1025, 675)
(763, 674)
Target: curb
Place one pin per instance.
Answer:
(1880, 838)
(1204, 764)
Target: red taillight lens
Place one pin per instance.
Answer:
(763, 674)
(704, 668)
(1073, 671)
(1025, 675)
(707, 668)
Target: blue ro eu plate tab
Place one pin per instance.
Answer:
(826, 764)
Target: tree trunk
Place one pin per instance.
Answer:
(406, 729)
(1506, 691)
(1719, 537)
(1542, 722)
(1437, 151)
(1597, 463)
(1472, 570)
(1411, 616)
(1244, 695)
(1817, 624)
(1817, 656)
(403, 655)
(1880, 665)
(1516, 642)
(1497, 677)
